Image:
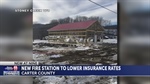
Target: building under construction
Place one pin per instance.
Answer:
(86, 32)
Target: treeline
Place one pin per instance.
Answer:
(80, 19)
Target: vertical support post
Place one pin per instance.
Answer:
(102, 37)
(95, 38)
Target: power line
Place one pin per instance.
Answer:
(102, 6)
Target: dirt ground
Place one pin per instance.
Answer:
(102, 55)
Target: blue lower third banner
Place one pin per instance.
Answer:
(49, 70)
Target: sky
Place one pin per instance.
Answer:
(72, 8)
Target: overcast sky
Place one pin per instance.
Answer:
(72, 8)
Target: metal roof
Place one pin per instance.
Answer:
(72, 26)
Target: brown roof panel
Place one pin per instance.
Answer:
(72, 26)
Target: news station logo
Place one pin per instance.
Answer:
(11, 70)
(14, 68)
